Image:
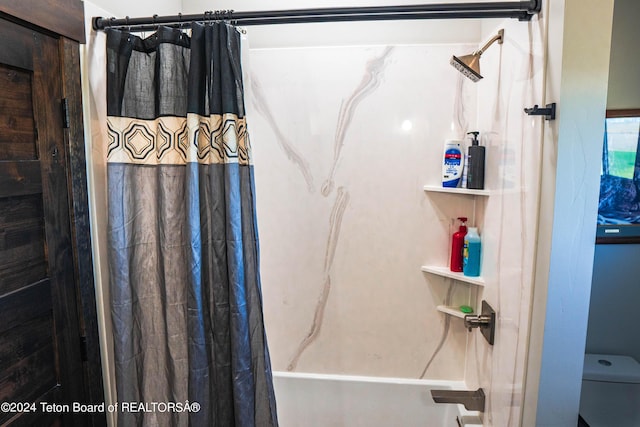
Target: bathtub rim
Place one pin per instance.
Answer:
(473, 418)
(369, 379)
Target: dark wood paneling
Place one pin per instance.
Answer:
(22, 246)
(17, 43)
(30, 378)
(39, 418)
(55, 194)
(12, 104)
(25, 340)
(17, 135)
(33, 321)
(27, 353)
(25, 305)
(18, 178)
(64, 17)
(16, 83)
(17, 128)
(81, 232)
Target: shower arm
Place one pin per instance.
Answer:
(497, 38)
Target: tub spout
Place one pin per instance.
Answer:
(472, 400)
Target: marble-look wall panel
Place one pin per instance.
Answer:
(344, 139)
(513, 79)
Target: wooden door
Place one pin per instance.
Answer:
(40, 357)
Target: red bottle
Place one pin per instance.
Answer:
(457, 245)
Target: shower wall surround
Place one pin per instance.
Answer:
(514, 78)
(344, 140)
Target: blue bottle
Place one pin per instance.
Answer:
(471, 253)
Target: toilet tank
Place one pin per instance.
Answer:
(610, 391)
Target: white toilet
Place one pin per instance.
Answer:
(610, 391)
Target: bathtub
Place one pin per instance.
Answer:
(317, 400)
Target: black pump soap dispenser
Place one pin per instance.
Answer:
(475, 165)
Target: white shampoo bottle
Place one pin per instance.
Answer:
(453, 163)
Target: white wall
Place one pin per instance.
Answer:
(342, 34)
(93, 92)
(355, 248)
(615, 291)
(624, 86)
(614, 301)
(570, 185)
(133, 9)
(514, 76)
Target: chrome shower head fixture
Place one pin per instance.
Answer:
(469, 65)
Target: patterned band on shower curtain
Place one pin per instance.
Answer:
(183, 246)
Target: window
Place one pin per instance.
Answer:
(619, 204)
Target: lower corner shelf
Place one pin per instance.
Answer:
(445, 272)
(452, 311)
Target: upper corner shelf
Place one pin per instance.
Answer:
(451, 190)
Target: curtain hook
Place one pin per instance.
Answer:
(154, 26)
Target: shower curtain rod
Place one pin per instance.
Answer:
(522, 10)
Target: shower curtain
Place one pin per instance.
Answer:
(189, 340)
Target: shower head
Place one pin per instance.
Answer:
(469, 65)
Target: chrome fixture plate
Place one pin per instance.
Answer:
(486, 321)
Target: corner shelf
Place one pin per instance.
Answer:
(452, 311)
(445, 272)
(452, 190)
